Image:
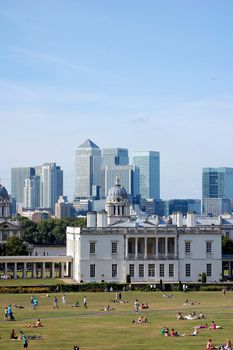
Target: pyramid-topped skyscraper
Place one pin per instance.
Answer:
(87, 169)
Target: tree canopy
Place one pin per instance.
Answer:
(49, 231)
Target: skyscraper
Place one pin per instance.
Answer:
(217, 183)
(128, 176)
(18, 177)
(32, 193)
(51, 185)
(87, 169)
(112, 157)
(148, 163)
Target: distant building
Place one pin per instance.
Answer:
(217, 206)
(51, 185)
(36, 215)
(87, 169)
(63, 209)
(112, 157)
(128, 175)
(32, 193)
(18, 177)
(8, 227)
(149, 173)
(217, 183)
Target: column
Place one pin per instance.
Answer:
(126, 247)
(71, 270)
(15, 270)
(33, 270)
(43, 270)
(166, 247)
(5, 268)
(62, 270)
(157, 247)
(175, 248)
(24, 270)
(145, 247)
(52, 270)
(136, 248)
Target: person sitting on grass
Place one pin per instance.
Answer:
(194, 333)
(76, 304)
(179, 316)
(228, 346)
(174, 333)
(13, 335)
(38, 323)
(209, 345)
(140, 320)
(213, 326)
(162, 331)
(76, 347)
(144, 306)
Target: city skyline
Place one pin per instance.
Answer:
(137, 75)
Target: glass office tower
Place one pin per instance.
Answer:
(217, 183)
(18, 177)
(149, 173)
(87, 169)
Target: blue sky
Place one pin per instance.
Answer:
(146, 75)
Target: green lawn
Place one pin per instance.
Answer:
(94, 329)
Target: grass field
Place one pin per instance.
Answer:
(30, 282)
(95, 329)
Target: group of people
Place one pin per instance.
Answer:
(192, 316)
(210, 346)
(8, 314)
(140, 320)
(166, 332)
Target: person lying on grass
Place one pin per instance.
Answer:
(37, 324)
(140, 320)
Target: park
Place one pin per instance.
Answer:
(97, 328)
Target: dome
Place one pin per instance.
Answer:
(3, 193)
(117, 193)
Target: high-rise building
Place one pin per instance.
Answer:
(149, 173)
(18, 177)
(32, 193)
(128, 176)
(217, 183)
(63, 209)
(114, 156)
(51, 185)
(87, 169)
(217, 206)
(111, 157)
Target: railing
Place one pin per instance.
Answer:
(132, 256)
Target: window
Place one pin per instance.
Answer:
(92, 247)
(161, 270)
(188, 270)
(187, 247)
(228, 234)
(92, 270)
(171, 270)
(151, 270)
(131, 270)
(114, 270)
(208, 247)
(114, 247)
(208, 270)
(141, 270)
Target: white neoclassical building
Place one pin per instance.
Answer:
(8, 227)
(115, 245)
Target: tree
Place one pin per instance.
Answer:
(15, 246)
(227, 245)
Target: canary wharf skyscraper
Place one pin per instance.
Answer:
(148, 163)
(87, 169)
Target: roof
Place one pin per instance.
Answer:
(88, 144)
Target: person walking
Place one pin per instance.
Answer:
(55, 303)
(25, 341)
(63, 298)
(85, 302)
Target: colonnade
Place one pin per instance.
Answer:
(38, 267)
(151, 248)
